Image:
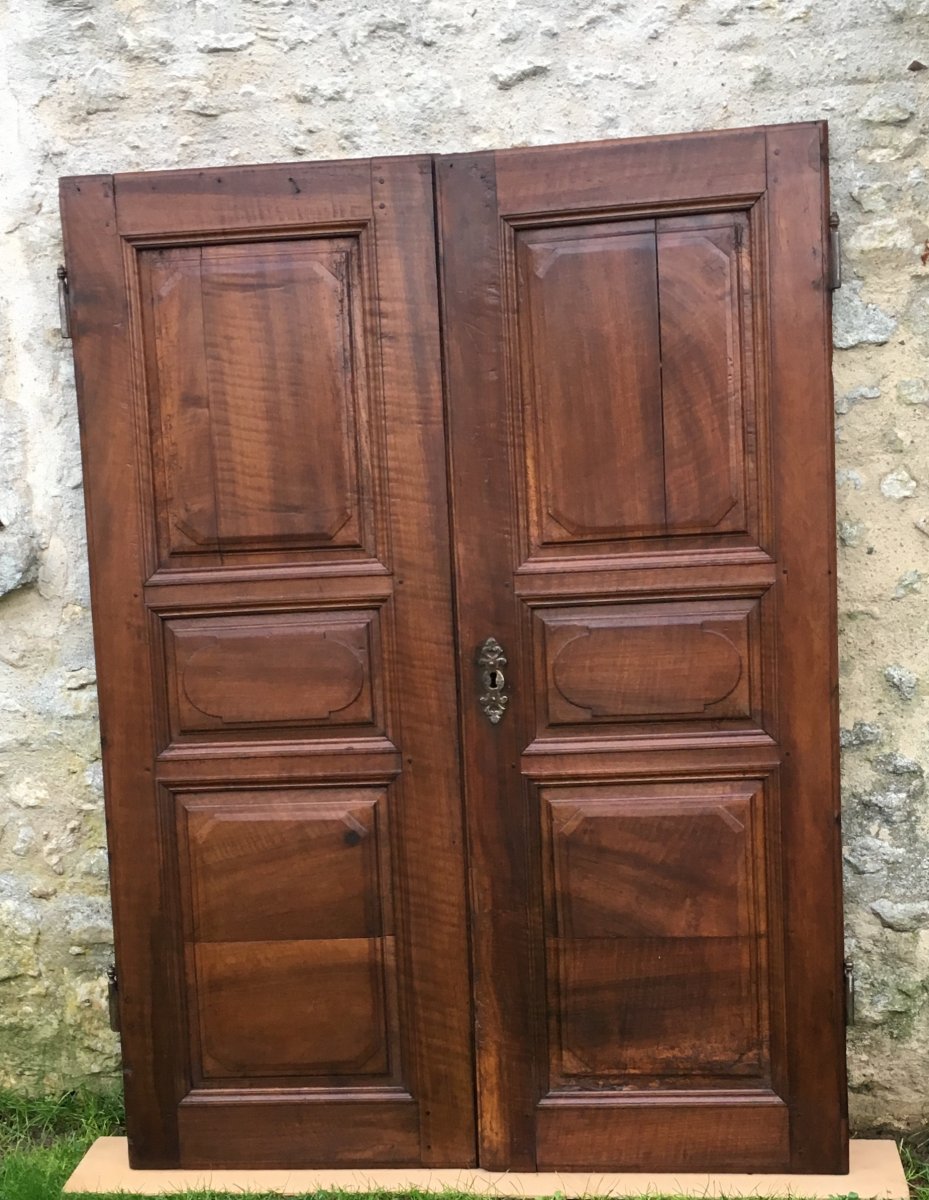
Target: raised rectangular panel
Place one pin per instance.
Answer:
(258, 394)
(289, 934)
(657, 1007)
(655, 661)
(634, 362)
(590, 360)
(324, 846)
(656, 932)
(251, 674)
(292, 1008)
(705, 305)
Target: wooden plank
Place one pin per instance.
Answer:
(721, 1132)
(146, 919)
(635, 171)
(801, 383)
(245, 1131)
(505, 947)
(170, 204)
(431, 843)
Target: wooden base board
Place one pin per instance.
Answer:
(876, 1173)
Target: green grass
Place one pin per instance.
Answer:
(42, 1140)
(915, 1154)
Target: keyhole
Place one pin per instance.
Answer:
(493, 679)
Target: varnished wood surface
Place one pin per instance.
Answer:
(263, 441)
(626, 482)
(630, 488)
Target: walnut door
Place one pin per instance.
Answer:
(259, 377)
(638, 370)
(637, 425)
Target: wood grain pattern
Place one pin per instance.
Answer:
(648, 661)
(275, 574)
(634, 356)
(801, 317)
(674, 1133)
(704, 288)
(278, 1131)
(631, 481)
(656, 933)
(248, 994)
(286, 865)
(143, 875)
(592, 370)
(676, 1053)
(506, 939)
(259, 431)
(249, 673)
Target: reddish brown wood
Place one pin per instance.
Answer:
(592, 368)
(638, 439)
(506, 937)
(801, 383)
(619, 304)
(704, 289)
(117, 493)
(706, 1132)
(272, 599)
(656, 928)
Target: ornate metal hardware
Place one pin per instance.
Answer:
(491, 660)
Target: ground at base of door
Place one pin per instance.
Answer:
(876, 1173)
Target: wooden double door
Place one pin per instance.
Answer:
(461, 537)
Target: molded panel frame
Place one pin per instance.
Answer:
(371, 548)
(302, 799)
(588, 551)
(371, 720)
(567, 804)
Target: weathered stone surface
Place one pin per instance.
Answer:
(88, 87)
(904, 917)
(899, 484)
(901, 680)
(855, 396)
(862, 733)
(856, 323)
(909, 582)
(509, 76)
(913, 391)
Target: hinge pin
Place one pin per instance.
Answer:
(835, 253)
(112, 995)
(64, 319)
(849, 969)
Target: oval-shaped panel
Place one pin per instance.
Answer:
(270, 670)
(660, 669)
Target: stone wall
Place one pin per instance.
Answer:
(116, 85)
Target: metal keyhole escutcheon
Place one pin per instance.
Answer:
(490, 662)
